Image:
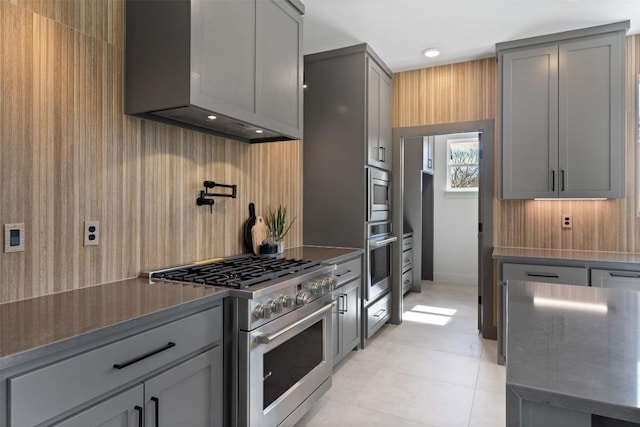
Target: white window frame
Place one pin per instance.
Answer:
(449, 165)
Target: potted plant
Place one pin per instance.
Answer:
(277, 223)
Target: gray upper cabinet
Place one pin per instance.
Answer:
(237, 61)
(378, 116)
(428, 154)
(562, 117)
(347, 116)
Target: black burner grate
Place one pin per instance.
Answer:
(237, 272)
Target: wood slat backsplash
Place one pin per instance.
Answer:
(69, 154)
(468, 91)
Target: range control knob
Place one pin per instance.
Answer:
(302, 298)
(287, 301)
(329, 283)
(316, 288)
(262, 311)
(275, 305)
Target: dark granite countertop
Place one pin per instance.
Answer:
(575, 347)
(594, 259)
(62, 320)
(326, 254)
(33, 327)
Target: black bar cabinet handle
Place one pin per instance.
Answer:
(552, 275)
(619, 274)
(157, 402)
(144, 356)
(139, 409)
(562, 172)
(553, 180)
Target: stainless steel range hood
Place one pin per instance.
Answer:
(232, 69)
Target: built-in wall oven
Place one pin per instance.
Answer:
(379, 259)
(378, 195)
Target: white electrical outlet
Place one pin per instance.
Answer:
(14, 237)
(91, 233)
(566, 221)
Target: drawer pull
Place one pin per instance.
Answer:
(380, 312)
(139, 409)
(406, 282)
(622, 274)
(551, 275)
(342, 273)
(144, 356)
(157, 402)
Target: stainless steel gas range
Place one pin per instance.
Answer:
(278, 326)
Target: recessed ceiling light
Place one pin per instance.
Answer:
(211, 117)
(259, 131)
(432, 52)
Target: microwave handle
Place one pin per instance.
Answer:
(384, 242)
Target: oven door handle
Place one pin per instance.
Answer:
(266, 339)
(383, 242)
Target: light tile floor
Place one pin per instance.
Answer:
(420, 374)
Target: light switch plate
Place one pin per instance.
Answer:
(14, 237)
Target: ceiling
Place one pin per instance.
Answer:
(399, 30)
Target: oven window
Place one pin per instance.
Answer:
(288, 363)
(380, 194)
(380, 264)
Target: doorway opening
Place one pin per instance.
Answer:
(452, 205)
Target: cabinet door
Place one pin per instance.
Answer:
(189, 394)
(122, 410)
(615, 279)
(529, 123)
(427, 154)
(335, 329)
(378, 116)
(223, 73)
(350, 324)
(279, 64)
(591, 118)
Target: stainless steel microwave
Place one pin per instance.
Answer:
(378, 195)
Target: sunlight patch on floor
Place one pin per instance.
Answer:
(430, 315)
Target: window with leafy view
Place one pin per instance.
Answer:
(463, 157)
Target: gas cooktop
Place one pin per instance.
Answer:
(239, 273)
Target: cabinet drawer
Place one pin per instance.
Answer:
(545, 273)
(407, 243)
(615, 279)
(347, 271)
(378, 314)
(407, 280)
(42, 394)
(407, 259)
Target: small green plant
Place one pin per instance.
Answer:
(277, 222)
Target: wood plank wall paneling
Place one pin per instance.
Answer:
(69, 154)
(468, 91)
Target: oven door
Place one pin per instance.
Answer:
(283, 363)
(379, 260)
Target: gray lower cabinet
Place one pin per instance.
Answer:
(562, 116)
(122, 410)
(225, 67)
(407, 262)
(186, 394)
(615, 279)
(546, 273)
(347, 322)
(179, 363)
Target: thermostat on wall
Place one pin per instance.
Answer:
(14, 237)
